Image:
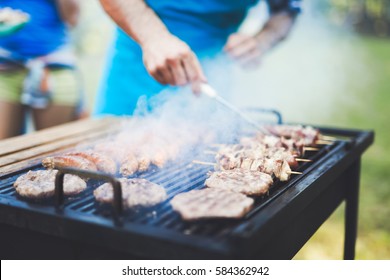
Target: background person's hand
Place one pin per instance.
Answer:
(245, 49)
(171, 61)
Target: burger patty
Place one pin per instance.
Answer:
(211, 203)
(40, 184)
(241, 181)
(135, 192)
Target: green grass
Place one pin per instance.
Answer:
(369, 109)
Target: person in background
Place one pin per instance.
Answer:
(37, 67)
(164, 42)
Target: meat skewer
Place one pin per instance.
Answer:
(294, 146)
(256, 152)
(280, 169)
(258, 156)
(307, 134)
(296, 159)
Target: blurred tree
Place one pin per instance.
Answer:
(366, 16)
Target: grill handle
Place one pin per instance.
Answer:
(117, 187)
(266, 111)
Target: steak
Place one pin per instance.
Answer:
(241, 181)
(211, 203)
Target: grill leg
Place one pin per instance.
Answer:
(351, 210)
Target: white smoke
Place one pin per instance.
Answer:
(306, 77)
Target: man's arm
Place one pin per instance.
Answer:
(248, 50)
(69, 11)
(168, 59)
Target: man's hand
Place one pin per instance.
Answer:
(248, 50)
(167, 59)
(171, 61)
(245, 49)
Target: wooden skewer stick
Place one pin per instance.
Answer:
(303, 160)
(310, 149)
(295, 172)
(204, 163)
(324, 142)
(329, 138)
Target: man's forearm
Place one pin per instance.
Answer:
(136, 18)
(69, 11)
(275, 30)
(167, 59)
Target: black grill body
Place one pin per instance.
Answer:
(278, 226)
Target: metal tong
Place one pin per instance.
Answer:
(212, 93)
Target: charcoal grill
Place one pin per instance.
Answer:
(78, 228)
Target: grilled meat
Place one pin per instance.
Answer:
(129, 166)
(69, 161)
(149, 142)
(211, 203)
(103, 162)
(307, 134)
(134, 163)
(293, 146)
(240, 180)
(279, 168)
(40, 184)
(237, 154)
(144, 162)
(272, 166)
(135, 192)
(140, 162)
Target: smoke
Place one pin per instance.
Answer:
(173, 126)
(308, 76)
(198, 119)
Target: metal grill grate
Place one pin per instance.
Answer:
(277, 227)
(177, 178)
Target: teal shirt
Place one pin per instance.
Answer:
(202, 24)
